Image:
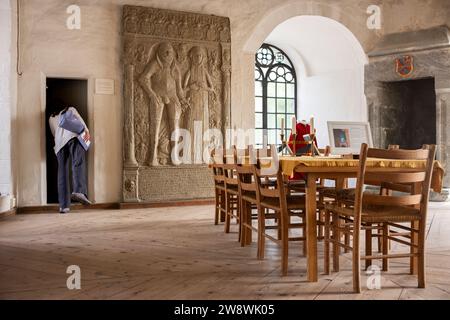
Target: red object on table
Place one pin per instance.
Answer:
(301, 147)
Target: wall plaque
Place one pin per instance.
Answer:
(104, 86)
(177, 71)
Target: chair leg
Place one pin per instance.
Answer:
(278, 222)
(261, 233)
(368, 246)
(385, 246)
(242, 228)
(249, 222)
(321, 219)
(336, 238)
(228, 210)
(326, 250)
(285, 242)
(217, 211)
(239, 217)
(379, 240)
(222, 205)
(238, 207)
(305, 245)
(414, 240)
(421, 259)
(346, 240)
(356, 264)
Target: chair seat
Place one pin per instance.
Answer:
(269, 182)
(343, 195)
(249, 196)
(232, 189)
(293, 203)
(379, 213)
(296, 183)
(220, 186)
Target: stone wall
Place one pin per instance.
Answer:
(48, 48)
(7, 102)
(426, 63)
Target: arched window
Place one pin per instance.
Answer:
(275, 93)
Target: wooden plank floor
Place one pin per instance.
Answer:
(178, 253)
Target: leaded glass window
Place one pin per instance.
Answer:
(275, 93)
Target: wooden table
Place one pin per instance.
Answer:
(339, 169)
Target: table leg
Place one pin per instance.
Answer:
(311, 228)
(341, 184)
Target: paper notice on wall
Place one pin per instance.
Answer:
(104, 86)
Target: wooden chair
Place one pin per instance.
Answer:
(219, 186)
(247, 194)
(347, 196)
(370, 211)
(274, 197)
(231, 188)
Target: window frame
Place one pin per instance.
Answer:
(265, 80)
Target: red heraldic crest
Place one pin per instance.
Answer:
(404, 66)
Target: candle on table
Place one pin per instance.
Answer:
(282, 125)
(311, 125)
(294, 125)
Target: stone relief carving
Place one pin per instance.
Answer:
(181, 73)
(161, 80)
(199, 86)
(174, 24)
(130, 185)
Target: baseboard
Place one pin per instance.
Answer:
(8, 213)
(54, 208)
(162, 204)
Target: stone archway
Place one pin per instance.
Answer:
(352, 18)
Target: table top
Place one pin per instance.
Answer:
(305, 164)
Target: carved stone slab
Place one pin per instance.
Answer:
(167, 183)
(177, 72)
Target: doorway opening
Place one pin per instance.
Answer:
(61, 93)
(409, 116)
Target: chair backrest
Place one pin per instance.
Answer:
(246, 171)
(230, 167)
(272, 190)
(388, 186)
(325, 151)
(420, 177)
(217, 166)
(360, 182)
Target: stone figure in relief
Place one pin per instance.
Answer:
(198, 86)
(182, 57)
(161, 80)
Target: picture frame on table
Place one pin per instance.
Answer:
(346, 137)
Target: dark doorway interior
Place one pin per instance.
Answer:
(59, 94)
(409, 118)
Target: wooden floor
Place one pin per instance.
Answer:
(178, 253)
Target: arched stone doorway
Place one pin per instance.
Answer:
(351, 25)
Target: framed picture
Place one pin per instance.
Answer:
(347, 137)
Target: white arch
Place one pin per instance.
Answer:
(329, 63)
(316, 37)
(353, 28)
